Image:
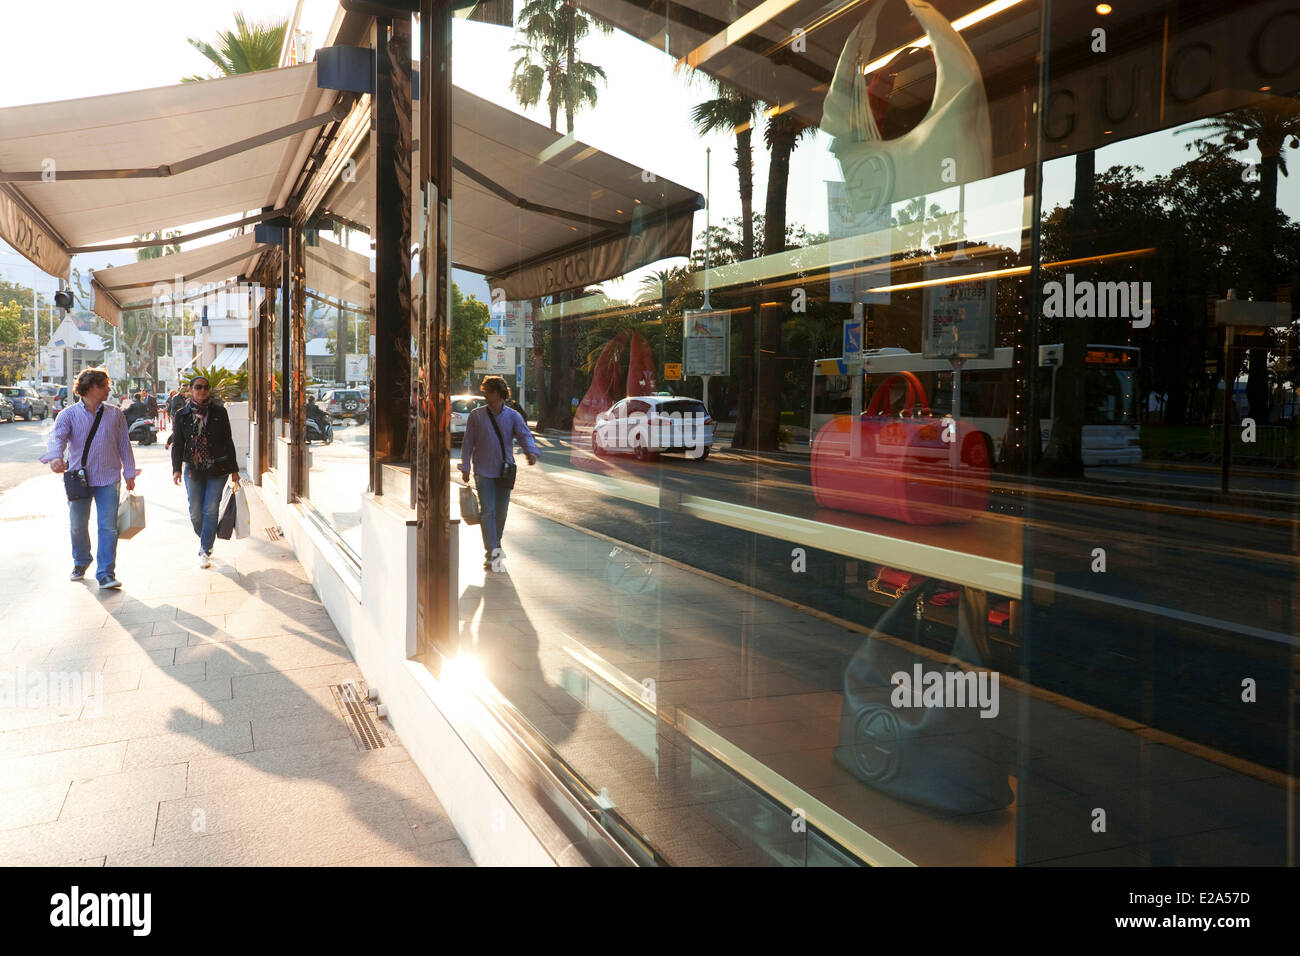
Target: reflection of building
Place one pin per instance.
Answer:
(689, 661)
(321, 360)
(68, 350)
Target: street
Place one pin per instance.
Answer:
(21, 444)
(1187, 604)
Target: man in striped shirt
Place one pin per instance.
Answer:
(108, 460)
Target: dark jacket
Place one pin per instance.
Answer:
(222, 443)
(135, 411)
(176, 403)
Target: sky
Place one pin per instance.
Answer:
(102, 47)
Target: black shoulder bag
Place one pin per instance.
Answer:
(75, 482)
(509, 471)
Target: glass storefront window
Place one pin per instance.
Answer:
(337, 250)
(882, 526)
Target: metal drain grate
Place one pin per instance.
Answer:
(274, 533)
(350, 696)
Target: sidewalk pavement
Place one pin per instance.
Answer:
(191, 718)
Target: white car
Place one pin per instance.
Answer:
(461, 406)
(646, 425)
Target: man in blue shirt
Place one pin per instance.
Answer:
(490, 435)
(108, 459)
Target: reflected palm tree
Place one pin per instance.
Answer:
(548, 60)
(733, 111)
(1271, 126)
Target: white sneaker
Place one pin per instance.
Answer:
(498, 561)
(205, 560)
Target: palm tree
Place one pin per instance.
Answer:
(758, 415)
(250, 47)
(226, 385)
(734, 111)
(781, 135)
(1271, 126)
(548, 59)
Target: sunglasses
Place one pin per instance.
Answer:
(199, 388)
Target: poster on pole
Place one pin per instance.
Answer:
(500, 358)
(357, 367)
(859, 249)
(166, 369)
(706, 341)
(115, 364)
(517, 324)
(958, 315)
(52, 362)
(183, 349)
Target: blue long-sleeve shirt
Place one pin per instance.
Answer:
(110, 456)
(481, 447)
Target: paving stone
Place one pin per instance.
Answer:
(61, 766)
(76, 838)
(132, 788)
(32, 805)
(181, 747)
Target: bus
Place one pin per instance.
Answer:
(1111, 430)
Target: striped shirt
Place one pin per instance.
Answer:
(110, 456)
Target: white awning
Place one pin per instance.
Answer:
(120, 287)
(539, 212)
(231, 358)
(109, 167)
(536, 211)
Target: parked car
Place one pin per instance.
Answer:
(345, 403)
(6, 410)
(461, 406)
(646, 425)
(27, 403)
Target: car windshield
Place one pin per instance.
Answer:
(11, 391)
(466, 404)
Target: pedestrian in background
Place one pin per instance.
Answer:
(490, 434)
(203, 444)
(95, 432)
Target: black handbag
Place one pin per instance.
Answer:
(226, 523)
(508, 472)
(75, 482)
(933, 756)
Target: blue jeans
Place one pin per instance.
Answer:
(493, 502)
(205, 503)
(105, 499)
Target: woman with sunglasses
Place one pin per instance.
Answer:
(202, 442)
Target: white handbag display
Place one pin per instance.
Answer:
(952, 144)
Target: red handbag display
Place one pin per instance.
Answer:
(904, 469)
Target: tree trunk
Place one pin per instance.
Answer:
(1064, 454)
(745, 170)
(570, 54)
(744, 434)
(767, 419)
(1265, 286)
